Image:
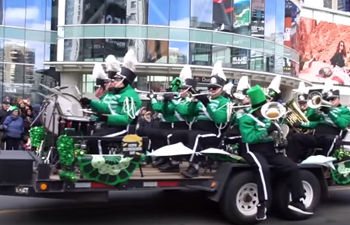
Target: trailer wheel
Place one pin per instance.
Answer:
(312, 199)
(240, 199)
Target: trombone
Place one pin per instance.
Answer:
(315, 101)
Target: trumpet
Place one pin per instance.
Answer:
(274, 111)
(155, 93)
(192, 97)
(315, 101)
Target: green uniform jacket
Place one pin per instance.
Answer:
(124, 111)
(312, 115)
(167, 109)
(338, 117)
(108, 98)
(182, 109)
(239, 114)
(216, 110)
(254, 130)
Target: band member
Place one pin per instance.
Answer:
(331, 125)
(117, 117)
(233, 135)
(183, 120)
(211, 116)
(103, 89)
(273, 91)
(259, 151)
(159, 136)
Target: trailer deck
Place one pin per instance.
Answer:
(150, 173)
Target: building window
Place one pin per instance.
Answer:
(133, 5)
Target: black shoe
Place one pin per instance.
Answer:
(159, 162)
(299, 207)
(261, 212)
(191, 172)
(164, 165)
(170, 168)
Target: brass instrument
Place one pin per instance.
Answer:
(274, 111)
(294, 114)
(155, 93)
(315, 101)
(192, 97)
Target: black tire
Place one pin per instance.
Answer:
(228, 201)
(282, 197)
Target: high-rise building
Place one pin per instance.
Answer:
(28, 38)
(248, 36)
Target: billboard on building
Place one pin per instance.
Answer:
(324, 50)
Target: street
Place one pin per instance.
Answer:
(149, 208)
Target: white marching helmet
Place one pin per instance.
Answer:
(113, 66)
(218, 78)
(186, 78)
(273, 91)
(228, 88)
(99, 75)
(128, 69)
(275, 84)
(328, 85)
(242, 86)
(301, 88)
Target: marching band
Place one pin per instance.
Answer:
(266, 131)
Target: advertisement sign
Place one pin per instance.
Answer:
(239, 60)
(242, 16)
(258, 18)
(223, 14)
(324, 50)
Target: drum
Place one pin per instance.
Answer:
(51, 115)
(77, 125)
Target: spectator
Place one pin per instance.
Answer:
(14, 128)
(3, 114)
(23, 105)
(143, 110)
(146, 122)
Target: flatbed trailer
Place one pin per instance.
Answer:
(232, 185)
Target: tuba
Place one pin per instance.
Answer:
(274, 111)
(294, 114)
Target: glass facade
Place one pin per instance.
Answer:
(197, 32)
(28, 37)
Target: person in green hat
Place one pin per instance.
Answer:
(259, 150)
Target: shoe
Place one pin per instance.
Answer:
(299, 207)
(261, 212)
(191, 172)
(164, 165)
(170, 168)
(159, 162)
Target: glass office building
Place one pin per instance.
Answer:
(28, 37)
(243, 34)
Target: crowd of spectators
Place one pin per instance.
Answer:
(16, 116)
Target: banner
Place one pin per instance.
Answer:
(324, 51)
(258, 18)
(242, 16)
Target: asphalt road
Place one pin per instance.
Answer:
(149, 208)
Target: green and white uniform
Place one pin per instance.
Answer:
(123, 107)
(336, 120)
(107, 98)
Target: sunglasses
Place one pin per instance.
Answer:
(213, 88)
(332, 99)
